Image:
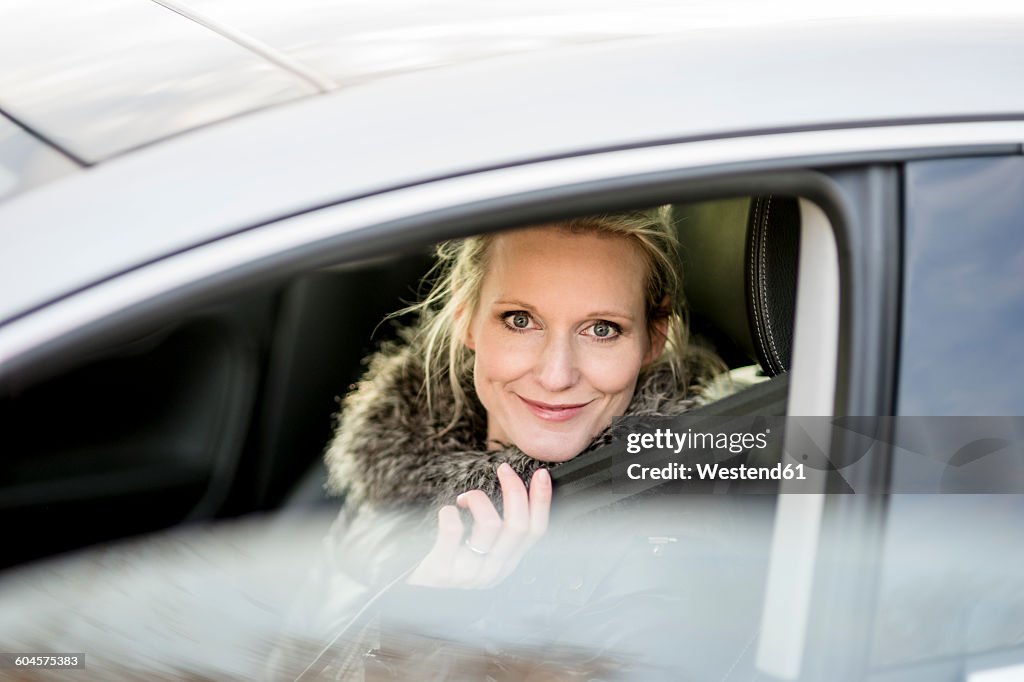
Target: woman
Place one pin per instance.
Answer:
(527, 347)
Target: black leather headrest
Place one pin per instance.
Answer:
(739, 259)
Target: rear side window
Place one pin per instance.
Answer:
(963, 288)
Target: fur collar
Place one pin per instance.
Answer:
(387, 450)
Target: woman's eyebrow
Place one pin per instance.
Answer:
(514, 302)
(611, 313)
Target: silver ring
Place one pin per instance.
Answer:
(474, 550)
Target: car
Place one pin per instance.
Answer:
(207, 209)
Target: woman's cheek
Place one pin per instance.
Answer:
(614, 372)
(504, 356)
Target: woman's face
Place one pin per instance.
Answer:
(560, 334)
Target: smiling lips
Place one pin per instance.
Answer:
(553, 413)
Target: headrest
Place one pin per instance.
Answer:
(739, 260)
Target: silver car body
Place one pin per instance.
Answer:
(193, 144)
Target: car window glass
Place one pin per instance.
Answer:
(963, 299)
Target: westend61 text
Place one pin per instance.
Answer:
(716, 472)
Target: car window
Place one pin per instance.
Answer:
(233, 403)
(226, 410)
(963, 323)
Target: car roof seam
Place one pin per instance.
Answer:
(44, 138)
(259, 48)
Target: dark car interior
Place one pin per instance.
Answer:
(226, 411)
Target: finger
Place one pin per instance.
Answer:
(486, 520)
(486, 527)
(515, 501)
(449, 538)
(436, 568)
(540, 503)
(516, 523)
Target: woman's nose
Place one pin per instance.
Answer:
(556, 368)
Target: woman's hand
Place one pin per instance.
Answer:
(495, 545)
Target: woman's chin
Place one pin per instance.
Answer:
(554, 447)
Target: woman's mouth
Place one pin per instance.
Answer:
(553, 413)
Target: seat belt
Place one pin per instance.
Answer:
(584, 483)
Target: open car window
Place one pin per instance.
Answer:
(229, 407)
(226, 409)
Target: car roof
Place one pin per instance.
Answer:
(114, 75)
(433, 123)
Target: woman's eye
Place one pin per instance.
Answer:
(517, 320)
(604, 330)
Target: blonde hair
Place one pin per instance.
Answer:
(457, 280)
